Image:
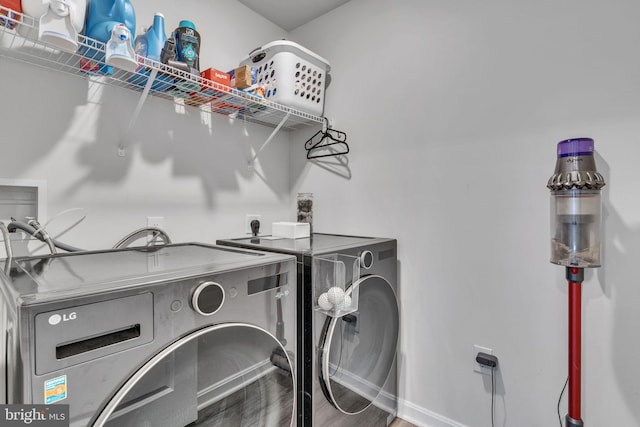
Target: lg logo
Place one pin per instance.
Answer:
(54, 319)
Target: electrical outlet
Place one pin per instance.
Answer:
(476, 366)
(155, 221)
(247, 222)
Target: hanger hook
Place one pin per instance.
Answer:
(325, 125)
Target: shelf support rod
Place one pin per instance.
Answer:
(275, 131)
(136, 112)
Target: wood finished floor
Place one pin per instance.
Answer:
(268, 402)
(401, 423)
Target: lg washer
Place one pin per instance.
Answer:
(175, 335)
(348, 374)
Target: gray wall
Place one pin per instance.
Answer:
(453, 110)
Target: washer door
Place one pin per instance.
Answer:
(357, 351)
(225, 375)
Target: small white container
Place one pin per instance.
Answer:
(291, 230)
(291, 75)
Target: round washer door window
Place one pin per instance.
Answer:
(225, 375)
(358, 351)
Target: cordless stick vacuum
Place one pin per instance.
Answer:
(576, 211)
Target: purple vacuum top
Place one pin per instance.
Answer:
(575, 147)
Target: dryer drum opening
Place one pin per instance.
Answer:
(358, 352)
(218, 375)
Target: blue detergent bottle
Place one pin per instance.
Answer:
(102, 16)
(149, 45)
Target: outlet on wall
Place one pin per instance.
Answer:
(155, 221)
(247, 222)
(476, 366)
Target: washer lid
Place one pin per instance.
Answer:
(318, 243)
(224, 375)
(37, 279)
(357, 351)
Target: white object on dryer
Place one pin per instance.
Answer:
(291, 230)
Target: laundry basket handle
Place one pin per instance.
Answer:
(259, 57)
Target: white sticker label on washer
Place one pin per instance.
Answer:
(55, 390)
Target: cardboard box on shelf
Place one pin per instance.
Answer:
(216, 76)
(243, 77)
(216, 85)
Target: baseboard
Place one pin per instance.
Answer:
(423, 417)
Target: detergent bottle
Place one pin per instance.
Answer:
(102, 17)
(188, 45)
(149, 44)
(9, 13)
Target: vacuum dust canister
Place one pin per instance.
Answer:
(576, 207)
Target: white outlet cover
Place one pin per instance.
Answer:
(476, 366)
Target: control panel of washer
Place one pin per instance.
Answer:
(208, 298)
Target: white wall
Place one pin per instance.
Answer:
(453, 110)
(187, 167)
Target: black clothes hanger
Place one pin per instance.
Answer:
(326, 142)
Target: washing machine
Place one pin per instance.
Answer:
(176, 335)
(348, 370)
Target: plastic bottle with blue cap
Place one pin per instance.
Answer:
(188, 45)
(149, 44)
(187, 53)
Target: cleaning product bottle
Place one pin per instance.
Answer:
(150, 43)
(60, 21)
(119, 51)
(102, 17)
(188, 45)
(10, 9)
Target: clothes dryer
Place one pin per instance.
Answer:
(175, 335)
(348, 374)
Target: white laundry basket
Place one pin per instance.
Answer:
(291, 75)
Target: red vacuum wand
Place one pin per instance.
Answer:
(575, 276)
(576, 211)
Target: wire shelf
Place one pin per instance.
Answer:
(21, 43)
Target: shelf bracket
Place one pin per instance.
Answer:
(275, 131)
(136, 113)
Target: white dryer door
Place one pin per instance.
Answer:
(225, 375)
(357, 351)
